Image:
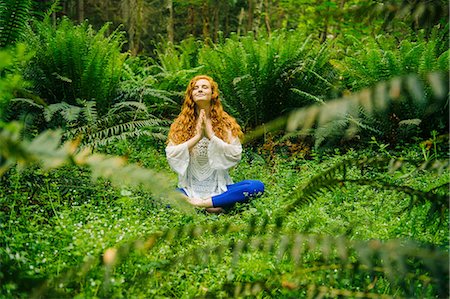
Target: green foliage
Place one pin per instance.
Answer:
(75, 62)
(378, 109)
(257, 75)
(117, 237)
(10, 78)
(160, 89)
(183, 56)
(120, 245)
(14, 17)
(124, 120)
(161, 81)
(46, 151)
(340, 174)
(380, 59)
(414, 14)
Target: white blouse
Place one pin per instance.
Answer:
(203, 172)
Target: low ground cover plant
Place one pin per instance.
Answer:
(66, 236)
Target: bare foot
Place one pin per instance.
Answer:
(215, 210)
(199, 202)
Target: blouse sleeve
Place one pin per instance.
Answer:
(222, 155)
(178, 157)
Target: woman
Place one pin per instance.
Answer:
(203, 144)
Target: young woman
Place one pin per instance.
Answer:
(203, 144)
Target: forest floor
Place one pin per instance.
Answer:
(63, 235)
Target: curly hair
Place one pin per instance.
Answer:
(183, 127)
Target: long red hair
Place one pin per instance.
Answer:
(183, 127)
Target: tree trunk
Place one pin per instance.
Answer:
(132, 11)
(267, 16)
(240, 21)
(257, 17)
(216, 23)
(250, 15)
(324, 33)
(280, 15)
(191, 20)
(138, 24)
(170, 27)
(226, 22)
(206, 22)
(80, 11)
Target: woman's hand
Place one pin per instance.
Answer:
(204, 126)
(200, 127)
(209, 132)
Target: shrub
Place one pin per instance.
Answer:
(262, 78)
(372, 60)
(75, 62)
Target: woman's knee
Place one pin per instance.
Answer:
(256, 187)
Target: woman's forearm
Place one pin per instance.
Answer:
(193, 141)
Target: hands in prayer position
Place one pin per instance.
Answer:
(204, 126)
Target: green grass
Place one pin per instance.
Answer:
(56, 226)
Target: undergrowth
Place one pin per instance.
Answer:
(63, 235)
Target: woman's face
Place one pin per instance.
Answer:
(202, 92)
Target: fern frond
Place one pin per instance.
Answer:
(14, 16)
(308, 95)
(119, 125)
(75, 62)
(119, 131)
(94, 143)
(376, 100)
(70, 113)
(50, 110)
(336, 177)
(137, 106)
(29, 102)
(332, 129)
(89, 111)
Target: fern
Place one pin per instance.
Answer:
(14, 17)
(375, 103)
(124, 120)
(90, 111)
(75, 62)
(47, 151)
(256, 75)
(381, 59)
(161, 92)
(69, 112)
(336, 177)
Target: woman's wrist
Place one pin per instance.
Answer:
(194, 140)
(210, 133)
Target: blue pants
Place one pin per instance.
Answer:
(238, 192)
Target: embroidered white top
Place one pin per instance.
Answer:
(203, 172)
